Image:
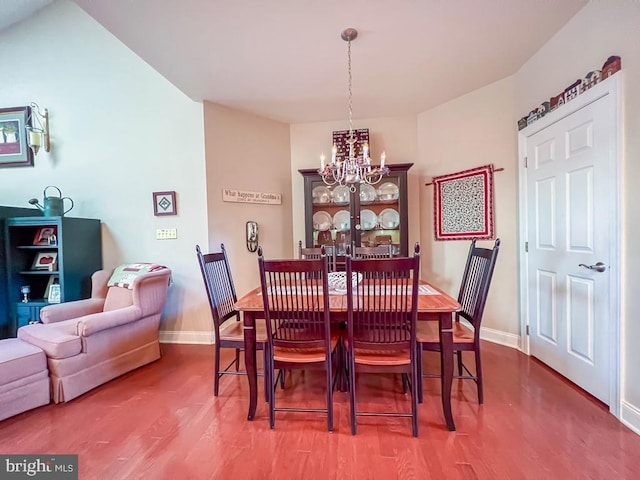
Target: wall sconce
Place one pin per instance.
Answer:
(38, 129)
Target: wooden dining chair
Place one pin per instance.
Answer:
(227, 328)
(380, 251)
(472, 297)
(381, 324)
(296, 306)
(316, 252)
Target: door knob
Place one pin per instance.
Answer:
(598, 267)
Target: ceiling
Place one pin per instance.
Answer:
(285, 60)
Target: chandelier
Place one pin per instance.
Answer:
(353, 169)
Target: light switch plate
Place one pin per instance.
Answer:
(166, 233)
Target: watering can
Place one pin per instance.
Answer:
(53, 205)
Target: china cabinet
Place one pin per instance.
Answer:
(363, 215)
(47, 260)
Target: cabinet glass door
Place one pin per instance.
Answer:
(379, 214)
(331, 214)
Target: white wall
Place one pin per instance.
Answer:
(119, 131)
(599, 30)
(473, 130)
(249, 153)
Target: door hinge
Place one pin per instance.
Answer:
(526, 247)
(525, 162)
(527, 330)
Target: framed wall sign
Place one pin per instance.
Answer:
(14, 150)
(164, 203)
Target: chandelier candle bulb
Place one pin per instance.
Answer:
(322, 162)
(334, 152)
(383, 158)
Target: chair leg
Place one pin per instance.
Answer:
(329, 375)
(352, 394)
(419, 368)
(459, 355)
(282, 375)
(216, 368)
(479, 376)
(414, 397)
(265, 375)
(405, 383)
(272, 394)
(237, 362)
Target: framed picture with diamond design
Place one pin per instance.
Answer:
(164, 203)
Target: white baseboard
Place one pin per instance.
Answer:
(497, 336)
(500, 337)
(630, 416)
(188, 337)
(206, 338)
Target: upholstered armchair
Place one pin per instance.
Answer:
(89, 342)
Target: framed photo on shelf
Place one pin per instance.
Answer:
(46, 236)
(53, 280)
(45, 261)
(54, 293)
(164, 203)
(14, 150)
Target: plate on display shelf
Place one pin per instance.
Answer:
(342, 221)
(367, 194)
(368, 219)
(341, 195)
(321, 221)
(321, 195)
(388, 192)
(389, 218)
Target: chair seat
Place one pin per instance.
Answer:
(427, 332)
(382, 357)
(379, 357)
(303, 355)
(233, 330)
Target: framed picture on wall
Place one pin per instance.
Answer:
(164, 203)
(14, 150)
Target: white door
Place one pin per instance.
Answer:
(571, 213)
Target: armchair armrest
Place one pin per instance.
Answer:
(66, 311)
(90, 324)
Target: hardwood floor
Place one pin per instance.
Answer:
(163, 422)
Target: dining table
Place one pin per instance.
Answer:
(433, 305)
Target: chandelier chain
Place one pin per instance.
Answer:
(350, 91)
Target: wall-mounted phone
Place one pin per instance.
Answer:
(252, 236)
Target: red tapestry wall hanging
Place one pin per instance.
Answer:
(463, 205)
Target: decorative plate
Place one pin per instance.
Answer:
(321, 221)
(367, 194)
(341, 195)
(338, 281)
(388, 192)
(368, 220)
(342, 221)
(389, 218)
(321, 195)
